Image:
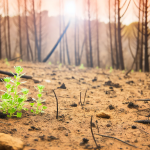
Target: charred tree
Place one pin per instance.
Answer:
(60, 59)
(29, 49)
(110, 36)
(19, 28)
(97, 36)
(115, 37)
(90, 36)
(8, 30)
(119, 32)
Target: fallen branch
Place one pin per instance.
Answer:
(10, 74)
(143, 121)
(142, 100)
(117, 139)
(57, 104)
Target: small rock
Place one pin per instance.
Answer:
(111, 87)
(36, 81)
(84, 141)
(132, 105)
(35, 139)
(95, 79)
(103, 114)
(50, 138)
(108, 125)
(134, 127)
(62, 86)
(73, 77)
(42, 137)
(111, 107)
(73, 105)
(8, 142)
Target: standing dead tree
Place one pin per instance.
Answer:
(19, 27)
(8, 30)
(97, 35)
(110, 35)
(90, 35)
(121, 58)
(29, 49)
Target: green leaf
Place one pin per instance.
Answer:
(6, 96)
(32, 104)
(20, 100)
(19, 114)
(32, 110)
(7, 79)
(44, 107)
(18, 69)
(39, 104)
(17, 83)
(39, 95)
(25, 91)
(8, 86)
(40, 87)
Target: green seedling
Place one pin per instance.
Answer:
(6, 62)
(20, 60)
(81, 66)
(111, 69)
(97, 67)
(49, 63)
(132, 71)
(60, 66)
(12, 100)
(123, 71)
(140, 70)
(36, 109)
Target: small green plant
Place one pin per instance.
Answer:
(140, 70)
(97, 67)
(81, 66)
(123, 71)
(49, 63)
(36, 109)
(60, 66)
(111, 69)
(12, 100)
(20, 60)
(132, 71)
(6, 62)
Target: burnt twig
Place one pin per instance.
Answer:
(117, 139)
(85, 95)
(80, 99)
(97, 146)
(57, 103)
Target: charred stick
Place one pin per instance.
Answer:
(57, 103)
(117, 139)
(85, 96)
(93, 134)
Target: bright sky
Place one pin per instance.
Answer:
(72, 6)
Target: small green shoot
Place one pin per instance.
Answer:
(123, 71)
(140, 70)
(36, 109)
(20, 60)
(97, 67)
(60, 66)
(6, 62)
(111, 69)
(81, 66)
(132, 71)
(49, 63)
